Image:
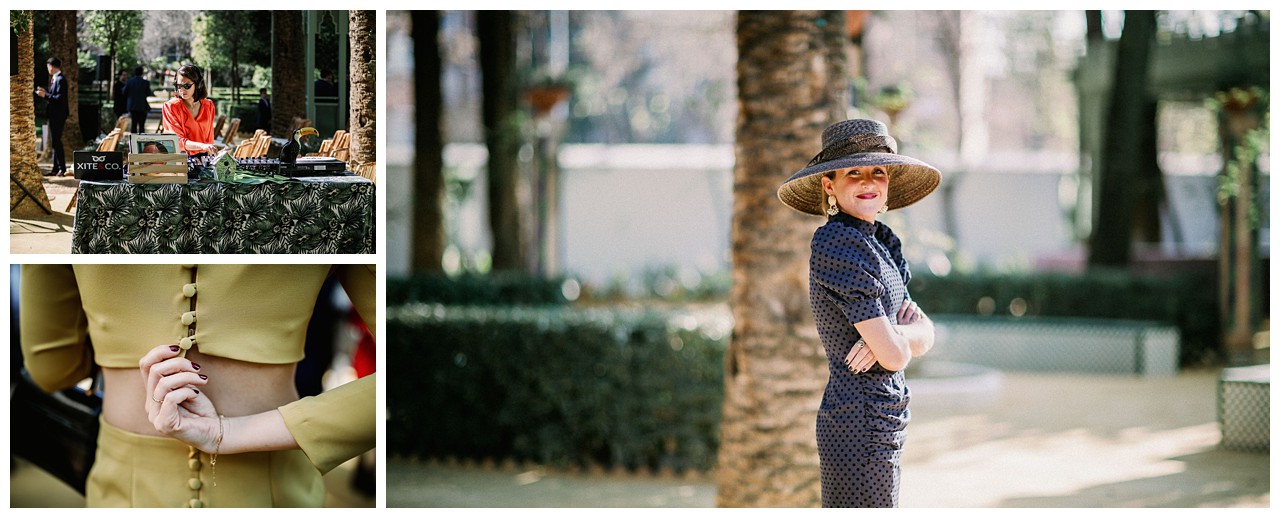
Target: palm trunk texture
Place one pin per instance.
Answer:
(791, 85)
(364, 86)
(22, 130)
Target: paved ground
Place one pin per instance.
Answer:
(46, 234)
(1031, 440)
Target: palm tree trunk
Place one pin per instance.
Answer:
(496, 31)
(63, 42)
(428, 174)
(22, 124)
(791, 85)
(364, 66)
(288, 71)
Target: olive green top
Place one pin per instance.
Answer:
(252, 313)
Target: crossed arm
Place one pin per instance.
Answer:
(893, 346)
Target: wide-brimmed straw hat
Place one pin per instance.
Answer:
(857, 143)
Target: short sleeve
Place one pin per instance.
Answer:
(53, 327)
(844, 266)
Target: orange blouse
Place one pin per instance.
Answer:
(177, 119)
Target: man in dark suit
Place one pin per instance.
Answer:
(119, 104)
(56, 97)
(325, 87)
(136, 92)
(264, 110)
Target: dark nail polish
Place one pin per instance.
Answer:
(195, 365)
(197, 390)
(173, 348)
(203, 377)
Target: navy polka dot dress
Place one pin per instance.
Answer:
(856, 273)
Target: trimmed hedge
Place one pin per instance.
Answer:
(556, 385)
(1188, 301)
(498, 288)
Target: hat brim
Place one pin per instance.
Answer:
(910, 180)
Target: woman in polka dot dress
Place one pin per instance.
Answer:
(869, 326)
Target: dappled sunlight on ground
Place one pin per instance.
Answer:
(1036, 440)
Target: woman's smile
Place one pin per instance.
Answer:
(859, 191)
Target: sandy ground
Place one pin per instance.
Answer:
(1031, 440)
(46, 234)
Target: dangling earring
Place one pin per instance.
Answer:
(832, 209)
(884, 208)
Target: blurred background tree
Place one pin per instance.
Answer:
(117, 33)
(64, 43)
(225, 39)
(428, 183)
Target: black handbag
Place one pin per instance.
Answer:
(57, 432)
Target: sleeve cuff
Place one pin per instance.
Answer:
(335, 426)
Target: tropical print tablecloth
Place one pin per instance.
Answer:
(320, 215)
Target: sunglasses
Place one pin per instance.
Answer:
(184, 86)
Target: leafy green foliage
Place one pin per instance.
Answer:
(117, 32)
(557, 385)
(226, 39)
(498, 288)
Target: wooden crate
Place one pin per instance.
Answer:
(157, 168)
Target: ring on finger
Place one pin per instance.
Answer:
(157, 400)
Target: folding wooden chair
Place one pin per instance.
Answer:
(262, 145)
(232, 128)
(368, 170)
(217, 124)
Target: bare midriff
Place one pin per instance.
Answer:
(236, 388)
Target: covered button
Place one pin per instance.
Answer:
(195, 503)
(188, 318)
(186, 342)
(195, 484)
(194, 464)
(189, 290)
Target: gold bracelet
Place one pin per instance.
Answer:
(217, 447)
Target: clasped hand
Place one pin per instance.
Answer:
(861, 358)
(175, 405)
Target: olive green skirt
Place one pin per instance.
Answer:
(133, 470)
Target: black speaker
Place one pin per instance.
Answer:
(13, 52)
(103, 70)
(90, 120)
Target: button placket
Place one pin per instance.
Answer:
(190, 291)
(194, 484)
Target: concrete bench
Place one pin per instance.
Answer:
(1244, 407)
(1053, 344)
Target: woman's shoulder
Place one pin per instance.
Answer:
(838, 235)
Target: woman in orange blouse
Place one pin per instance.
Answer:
(190, 114)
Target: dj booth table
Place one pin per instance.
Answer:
(314, 215)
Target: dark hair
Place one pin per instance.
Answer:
(55, 62)
(196, 75)
(137, 71)
(262, 90)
